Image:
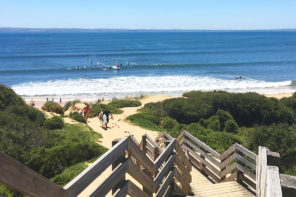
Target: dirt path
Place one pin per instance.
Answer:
(120, 127)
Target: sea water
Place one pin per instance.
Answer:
(77, 65)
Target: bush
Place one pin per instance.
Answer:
(51, 106)
(50, 162)
(145, 120)
(69, 173)
(124, 103)
(231, 126)
(214, 123)
(54, 123)
(280, 138)
(8, 97)
(223, 117)
(168, 123)
(98, 107)
(77, 116)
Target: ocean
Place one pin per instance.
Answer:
(77, 65)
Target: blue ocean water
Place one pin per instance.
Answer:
(46, 64)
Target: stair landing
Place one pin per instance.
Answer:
(203, 187)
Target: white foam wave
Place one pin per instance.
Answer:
(134, 85)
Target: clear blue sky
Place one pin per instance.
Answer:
(149, 14)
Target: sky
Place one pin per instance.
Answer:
(149, 14)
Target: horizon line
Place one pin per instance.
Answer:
(34, 29)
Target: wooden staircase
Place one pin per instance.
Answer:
(162, 167)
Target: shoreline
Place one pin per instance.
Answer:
(39, 101)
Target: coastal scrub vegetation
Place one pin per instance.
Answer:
(77, 116)
(114, 106)
(221, 119)
(47, 146)
(51, 106)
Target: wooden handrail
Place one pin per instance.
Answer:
(80, 182)
(221, 167)
(268, 179)
(18, 176)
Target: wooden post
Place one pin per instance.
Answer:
(114, 165)
(144, 149)
(156, 153)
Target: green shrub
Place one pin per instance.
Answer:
(231, 126)
(247, 109)
(95, 109)
(223, 117)
(280, 138)
(145, 120)
(55, 122)
(8, 97)
(124, 103)
(221, 141)
(8, 192)
(50, 162)
(68, 104)
(77, 116)
(214, 123)
(69, 173)
(197, 131)
(168, 123)
(51, 106)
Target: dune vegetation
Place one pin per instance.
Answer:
(221, 119)
(48, 146)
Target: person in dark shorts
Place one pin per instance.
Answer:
(107, 112)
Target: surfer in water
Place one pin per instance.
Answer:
(240, 77)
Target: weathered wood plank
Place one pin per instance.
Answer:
(168, 180)
(245, 161)
(18, 176)
(288, 181)
(164, 171)
(185, 185)
(117, 174)
(164, 155)
(213, 160)
(247, 152)
(202, 144)
(248, 181)
(122, 191)
(229, 169)
(206, 171)
(182, 156)
(184, 171)
(158, 137)
(82, 180)
(227, 152)
(261, 171)
(231, 177)
(140, 176)
(245, 171)
(140, 156)
(228, 161)
(167, 136)
(273, 185)
(134, 191)
(201, 160)
(154, 144)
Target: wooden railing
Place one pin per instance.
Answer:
(268, 177)
(160, 167)
(235, 163)
(158, 171)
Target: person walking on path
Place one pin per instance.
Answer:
(106, 114)
(86, 110)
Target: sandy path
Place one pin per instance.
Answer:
(119, 128)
